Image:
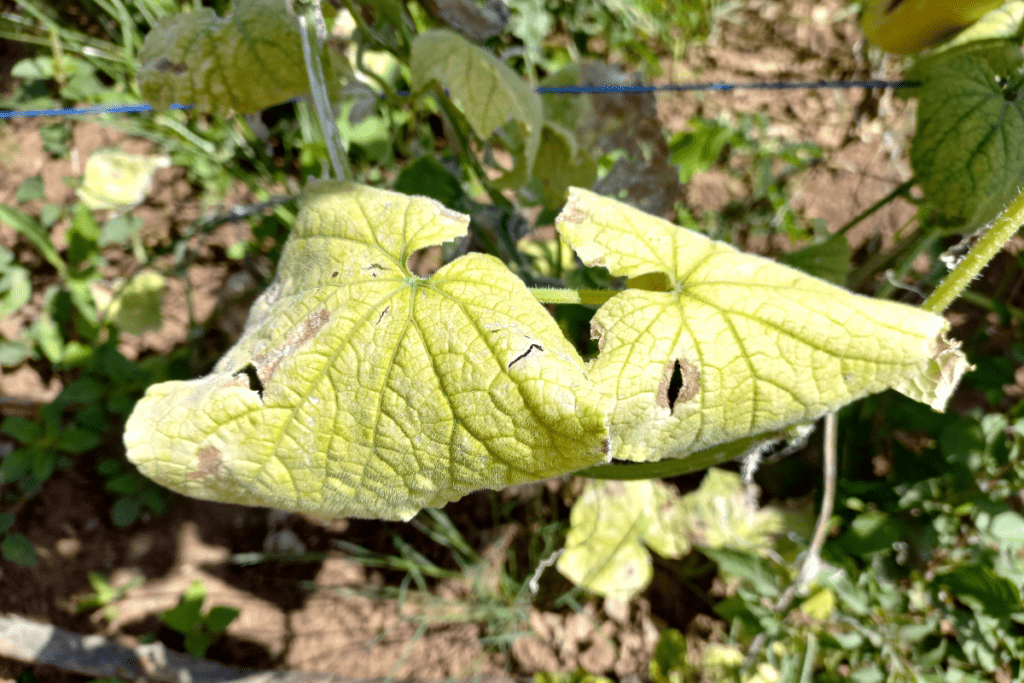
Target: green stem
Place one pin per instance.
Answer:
(900, 190)
(310, 13)
(592, 297)
(990, 244)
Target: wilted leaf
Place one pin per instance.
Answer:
(118, 180)
(244, 62)
(722, 513)
(609, 526)
(969, 133)
(487, 91)
(360, 389)
(736, 345)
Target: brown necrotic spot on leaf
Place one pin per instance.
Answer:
(573, 215)
(164, 65)
(382, 314)
(208, 462)
(266, 363)
(679, 382)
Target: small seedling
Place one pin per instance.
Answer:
(200, 630)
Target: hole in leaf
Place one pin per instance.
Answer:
(255, 383)
(674, 385)
(680, 382)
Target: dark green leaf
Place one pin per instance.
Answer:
(965, 152)
(6, 521)
(757, 570)
(125, 511)
(76, 440)
(219, 617)
(982, 589)
(22, 430)
(85, 390)
(427, 177)
(18, 549)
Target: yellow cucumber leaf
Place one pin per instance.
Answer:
(486, 90)
(359, 389)
(244, 62)
(610, 524)
(737, 345)
(118, 180)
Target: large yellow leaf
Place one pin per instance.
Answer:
(713, 345)
(359, 389)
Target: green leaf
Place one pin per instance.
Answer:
(828, 260)
(76, 440)
(427, 177)
(6, 521)
(31, 188)
(359, 389)
(18, 549)
(610, 524)
(35, 233)
(134, 307)
(738, 345)
(13, 352)
(114, 179)
(20, 429)
(757, 570)
(245, 62)
(185, 616)
(968, 132)
(559, 166)
(125, 511)
(219, 617)
(669, 660)
(870, 532)
(487, 91)
(119, 229)
(15, 286)
(1007, 528)
(982, 589)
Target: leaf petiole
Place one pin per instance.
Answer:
(551, 295)
(990, 244)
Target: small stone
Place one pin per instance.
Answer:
(617, 610)
(599, 657)
(534, 655)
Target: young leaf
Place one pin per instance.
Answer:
(736, 345)
(359, 389)
(245, 62)
(487, 91)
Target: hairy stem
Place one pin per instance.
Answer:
(990, 244)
